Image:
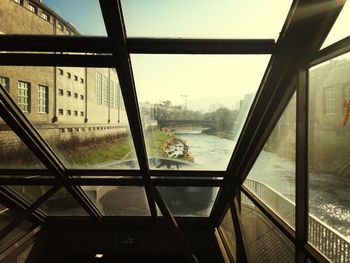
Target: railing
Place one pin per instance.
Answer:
(327, 240)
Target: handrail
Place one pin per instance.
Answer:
(334, 245)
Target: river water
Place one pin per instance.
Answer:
(329, 195)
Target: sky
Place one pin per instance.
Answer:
(199, 77)
(85, 15)
(210, 78)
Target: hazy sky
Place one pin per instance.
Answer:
(162, 77)
(167, 77)
(205, 18)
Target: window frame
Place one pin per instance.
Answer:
(6, 81)
(43, 99)
(32, 8)
(24, 96)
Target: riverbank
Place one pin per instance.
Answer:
(95, 151)
(220, 134)
(159, 143)
(166, 144)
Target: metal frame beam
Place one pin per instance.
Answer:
(302, 36)
(28, 212)
(17, 121)
(116, 32)
(301, 182)
(102, 45)
(200, 46)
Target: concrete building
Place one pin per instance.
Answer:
(329, 90)
(59, 101)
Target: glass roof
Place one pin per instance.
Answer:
(62, 203)
(200, 103)
(205, 18)
(189, 201)
(125, 126)
(50, 17)
(119, 200)
(30, 193)
(192, 107)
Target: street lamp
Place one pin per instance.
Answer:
(185, 96)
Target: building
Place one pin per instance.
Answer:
(60, 101)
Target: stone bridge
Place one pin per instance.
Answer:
(187, 123)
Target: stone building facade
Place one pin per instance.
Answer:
(329, 133)
(59, 101)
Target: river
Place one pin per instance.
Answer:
(329, 195)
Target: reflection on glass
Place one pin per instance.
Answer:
(189, 201)
(62, 203)
(205, 18)
(16, 233)
(119, 200)
(14, 154)
(340, 29)
(263, 241)
(30, 193)
(51, 17)
(79, 111)
(193, 107)
(329, 162)
(272, 177)
(229, 233)
(6, 216)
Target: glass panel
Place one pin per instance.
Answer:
(205, 18)
(51, 17)
(6, 216)
(329, 163)
(194, 107)
(340, 29)
(14, 154)
(85, 130)
(189, 201)
(19, 230)
(119, 200)
(272, 178)
(263, 241)
(30, 193)
(229, 233)
(62, 204)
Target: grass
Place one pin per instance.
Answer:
(156, 141)
(107, 149)
(90, 156)
(92, 151)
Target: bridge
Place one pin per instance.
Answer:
(188, 123)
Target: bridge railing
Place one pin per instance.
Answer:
(327, 240)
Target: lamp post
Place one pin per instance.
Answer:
(185, 96)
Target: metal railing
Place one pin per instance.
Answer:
(327, 240)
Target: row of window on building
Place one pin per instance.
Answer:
(69, 76)
(34, 9)
(108, 92)
(24, 95)
(69, 94)
(69, 113)
(83, 129)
